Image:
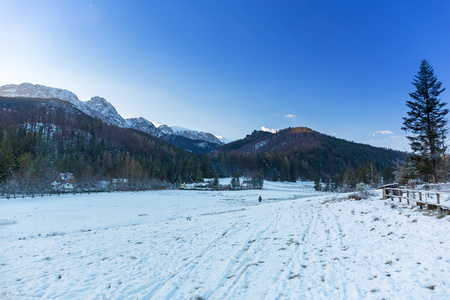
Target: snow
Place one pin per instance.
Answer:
(38, 91)
(187, 133)
(157, 124)
(257, 146)
(144, 125)
(296, 243)
(99, 107)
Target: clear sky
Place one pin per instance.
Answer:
(343, 68)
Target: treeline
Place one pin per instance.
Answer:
(347, 180)
(301, 153)
(31, 159)
(304, 166)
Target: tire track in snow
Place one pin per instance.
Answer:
(244, 259)
(298, 245)
(169, 287)
(288, 274)
(186, 270)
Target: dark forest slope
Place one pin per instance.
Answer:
(300, 152)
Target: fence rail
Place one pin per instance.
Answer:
(47, 194)
(420, 198)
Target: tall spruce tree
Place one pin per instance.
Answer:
(426, 120)
(317, 184)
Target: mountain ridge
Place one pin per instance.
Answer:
(299, 151)
(99, 107)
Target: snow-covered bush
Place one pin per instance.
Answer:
(362, 188)
(362, 192)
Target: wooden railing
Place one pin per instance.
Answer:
(420, 198)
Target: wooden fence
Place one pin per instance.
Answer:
(47, 194)
(430, 198)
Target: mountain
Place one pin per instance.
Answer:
(166, 130)
(41, 137)
(194, 146)
(29, 90)
(298, 152)
(144, 125)
(100, 108)
(190, 140)
(252, 141)
(294, 139)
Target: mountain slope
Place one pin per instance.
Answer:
(98, 107)
(144, 125)
(292, 139)
(299, 152)
(51, 135)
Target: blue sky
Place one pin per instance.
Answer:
(343, 68)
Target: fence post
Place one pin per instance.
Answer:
(439, 203)
(420, 199)
(384, 193)
(407, 197)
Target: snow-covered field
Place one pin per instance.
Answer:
(296, 243)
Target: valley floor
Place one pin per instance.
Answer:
(221, 245)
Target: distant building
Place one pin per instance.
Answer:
(119, 182)
(247, 184)
(65, 182)
(104, 184)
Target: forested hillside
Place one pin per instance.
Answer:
(303, 153)
(40, 138)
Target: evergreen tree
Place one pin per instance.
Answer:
(388, 175)
(215, 183)
(258, 180)
(317, 184)
(6, 159)
(406, 171)
(426, 120)
(235, 181)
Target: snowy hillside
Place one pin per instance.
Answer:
(296, 243)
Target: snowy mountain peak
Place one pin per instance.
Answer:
(196, 135)
(100, 104)
(30, 90)
(100, 108)
(188, 133)
(143, 125)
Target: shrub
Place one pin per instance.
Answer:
(354, 196)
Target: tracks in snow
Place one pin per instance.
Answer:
(270, 250)
(300, 249)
